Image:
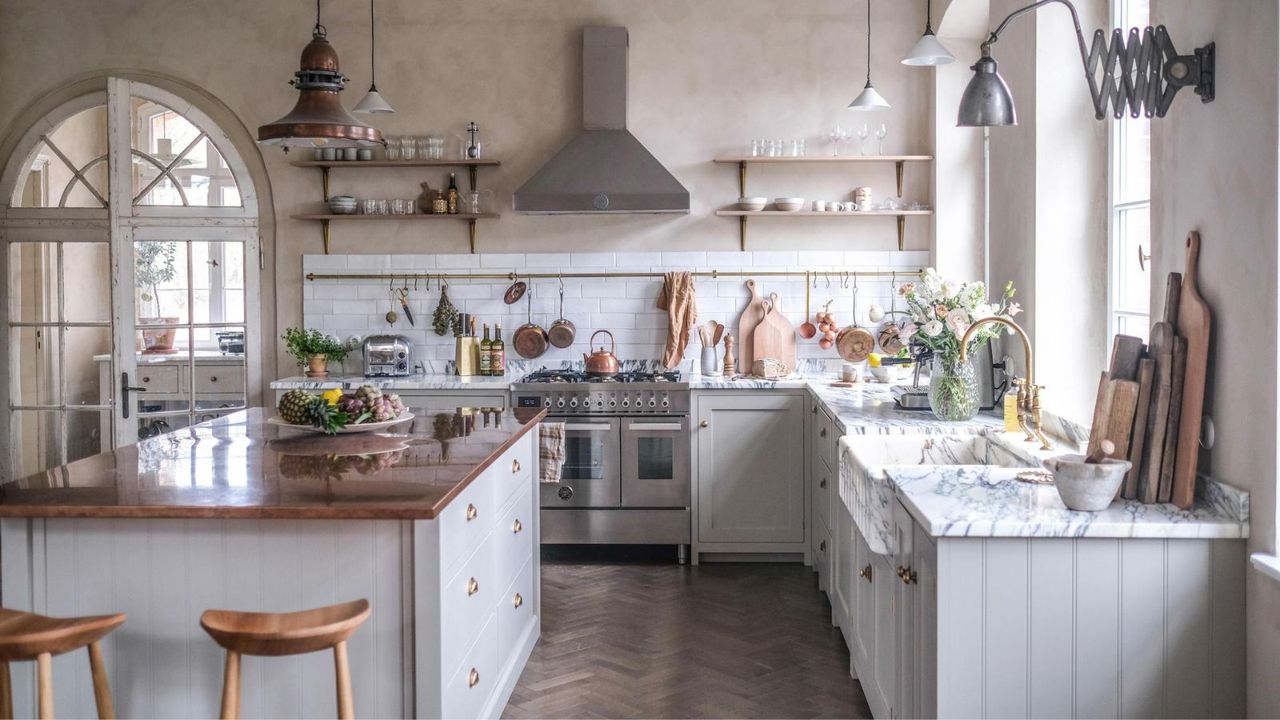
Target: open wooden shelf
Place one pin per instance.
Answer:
(415, 216)
(814, 213)
(784, 159)
(394, 163)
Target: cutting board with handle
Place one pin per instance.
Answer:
(775, 337)
(1178, 377)
(1194, 324)
(1137, 442)
(751, 316)
(1160, 349)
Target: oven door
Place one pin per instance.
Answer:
(655, 462)
(590, 474)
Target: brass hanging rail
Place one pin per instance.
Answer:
(713, 274)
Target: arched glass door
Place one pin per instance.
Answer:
(131, 246)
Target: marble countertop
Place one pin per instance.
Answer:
(429, 381)
(988, 502)
(239, 466)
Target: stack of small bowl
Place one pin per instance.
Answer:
(342, 205)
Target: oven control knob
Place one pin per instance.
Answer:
(599, 403)
(653, 403)
(546, 402)
(625, 402)
(573, 403)
(613, 401)
(565, 492)
(560, 402)
(665, 402)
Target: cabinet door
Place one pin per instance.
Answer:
(751, 468)
(844, 575)
(863, 622)
(926, 591)
(882, 694)
(906, 614)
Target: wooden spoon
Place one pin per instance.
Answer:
(715, 339)
(807, 328)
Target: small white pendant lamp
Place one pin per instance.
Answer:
(927, 50)
(372, 102)
(869, 99)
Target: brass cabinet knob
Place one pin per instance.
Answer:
(865, 573)
(213, 378)
(822, 546)
(823, 484)
(473, 678)
(473, 587)
(517, 601)
(516, 526)
(515, 466)
(907, 575)
(146, 379)
(814, 409)
(822, 433)
(704, 423)
(471, 512)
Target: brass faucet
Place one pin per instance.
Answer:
(1028, 390)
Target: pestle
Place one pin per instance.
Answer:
(1102, 452)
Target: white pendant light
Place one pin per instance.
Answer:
(869, 99)
(373, 102)
(927, 50)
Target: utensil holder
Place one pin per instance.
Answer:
(710, 366)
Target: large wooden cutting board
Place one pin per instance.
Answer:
(1161, 350)
(775, 337)
(751, 316)
(1194, 324)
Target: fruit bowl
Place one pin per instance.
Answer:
(345, 430)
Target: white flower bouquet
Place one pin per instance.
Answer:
(941, 311)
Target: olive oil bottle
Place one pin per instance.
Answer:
(486, 350)
(452, 194)
(497, 353)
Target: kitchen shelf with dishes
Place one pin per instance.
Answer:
(325, 166)
(743, 161)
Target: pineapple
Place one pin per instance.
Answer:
(326, 417)
(295, 407)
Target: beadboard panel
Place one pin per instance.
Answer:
(164, 573)
(1150, 628)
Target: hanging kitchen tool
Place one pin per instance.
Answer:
(391, 315)
(855, 343)
(807, 328)
(530, 339)
(403, 294)
(562, 331)
(445, 314)
(889, 333)
(602, 363)
(515, 292)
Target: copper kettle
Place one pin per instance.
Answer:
(602, 363)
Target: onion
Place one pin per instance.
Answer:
(825, 344)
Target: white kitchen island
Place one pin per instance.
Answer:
(434, 522)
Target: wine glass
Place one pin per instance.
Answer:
(837, 135)
(862, 139)
(880, 135)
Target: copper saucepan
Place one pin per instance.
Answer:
(562, 331)
(530, 339)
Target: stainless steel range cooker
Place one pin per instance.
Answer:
(626, 477)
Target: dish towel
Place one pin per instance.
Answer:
(550, 452)
(680, 301)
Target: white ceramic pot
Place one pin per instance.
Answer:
(1089, 487)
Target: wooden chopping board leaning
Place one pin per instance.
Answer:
(774, 339)
(1194, 324)
(751, 316)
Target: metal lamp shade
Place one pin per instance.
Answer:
(373, 102)
(318, 118)
(869, 99)
(986, 101)
(928, 51)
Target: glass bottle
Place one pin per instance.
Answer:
(439, 205)
(452, 193)
(486, 347)
(497, 353)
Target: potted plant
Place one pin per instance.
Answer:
(154, 262)
(941, 310)
(313, 350)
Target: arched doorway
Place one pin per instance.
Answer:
(129, 241)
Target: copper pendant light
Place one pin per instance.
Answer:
(318, 119)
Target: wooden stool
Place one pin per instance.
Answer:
(276, 634)
(27, 636)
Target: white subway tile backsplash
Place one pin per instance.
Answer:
(624, 306)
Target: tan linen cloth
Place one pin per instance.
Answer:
(550, 452)
(680, 301)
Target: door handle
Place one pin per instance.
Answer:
(125, 388)
(654, 426)
(587, 427)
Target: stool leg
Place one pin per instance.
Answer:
(6, 693)
(44, 673)
(101, 689)
(231, 687)
(346, 708)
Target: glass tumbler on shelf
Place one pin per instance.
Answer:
(423, 146)
(408, 148)
(435, 148)
(368, 207)
(392, 148)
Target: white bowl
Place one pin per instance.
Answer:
(788, 204)
(754, 204)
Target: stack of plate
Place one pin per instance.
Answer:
(342, 205)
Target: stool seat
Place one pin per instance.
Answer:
(26, 636)
(295, 633)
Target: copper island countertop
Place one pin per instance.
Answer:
(240, 466)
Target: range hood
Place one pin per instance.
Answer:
(604, 168)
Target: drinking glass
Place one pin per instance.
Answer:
(384, 207)
(408, 148)
(880, 135)
(423, 147)
(393, 148)
(837, 135)
(369, 207)
(755, 148)
(862, 139)
(435, 148)
(796, 150)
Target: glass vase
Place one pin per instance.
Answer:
(953, 389)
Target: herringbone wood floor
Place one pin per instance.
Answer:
(668, 641)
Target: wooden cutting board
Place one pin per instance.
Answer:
(774, 337)
(1101, 411)
(751, 316)
(1178, 371)
(1126, 350)
(1146, 383)
(1161, 350)
(1194, 324)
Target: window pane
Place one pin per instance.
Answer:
(33, 282)
(34, 366)
(197, 175)
(1133, 284)
(35, 436)
(88, 433)
(79, 143)
(86, 364)
(1134, 158)
(160, 280)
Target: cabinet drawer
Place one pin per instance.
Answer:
(515, 613)
(466, 521)
(469, 597)
(158, 378)
(514, 472)
(219, 379)
(513, 538)
(474, 680)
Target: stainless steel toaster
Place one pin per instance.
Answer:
(387, 355)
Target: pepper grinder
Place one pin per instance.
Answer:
(730, 362)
